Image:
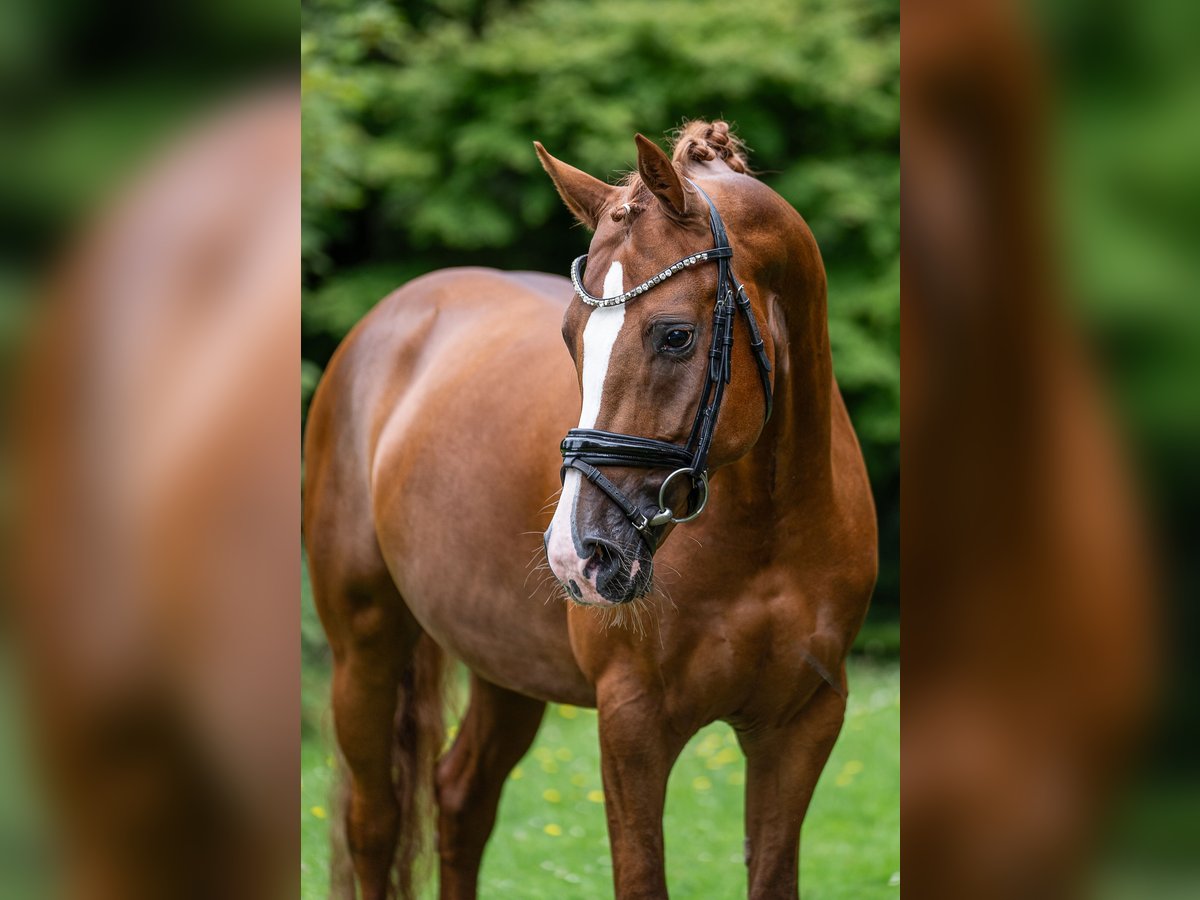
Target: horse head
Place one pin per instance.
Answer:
(653, 336)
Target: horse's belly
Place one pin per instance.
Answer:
(464, 476)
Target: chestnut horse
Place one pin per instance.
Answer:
(432, 448)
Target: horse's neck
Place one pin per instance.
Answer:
(790, 468)
(795, 444)
(798, 438)
(791, 461)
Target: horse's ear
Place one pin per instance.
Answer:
(660, 175)
(584, 195)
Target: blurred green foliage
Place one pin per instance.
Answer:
(419, 119)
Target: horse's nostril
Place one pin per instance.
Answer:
(611, 569)
(602, 559)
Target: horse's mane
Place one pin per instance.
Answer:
(700, 141)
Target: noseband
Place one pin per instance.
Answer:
(586, 449)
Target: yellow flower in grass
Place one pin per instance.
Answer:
(708, 745)
(596, 796)
(849, 770)
(579, 779)
(553, 830)
(568, 712)
(318, 811)
(700, 783)
(516, 774)
(723, 758)
(550, 795)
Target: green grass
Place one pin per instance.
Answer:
(550, 841)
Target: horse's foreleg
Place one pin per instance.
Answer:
(782, 767)
(638, 747)
(497, 730)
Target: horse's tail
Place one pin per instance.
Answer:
(419, 735)
(341, 867)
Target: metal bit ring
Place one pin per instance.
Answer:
(662, 498)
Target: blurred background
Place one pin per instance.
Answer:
(1123, 146)
(1051, 426)
(1123, 86)
(149, 328)
(419, 122)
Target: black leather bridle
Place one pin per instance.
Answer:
(587, 449)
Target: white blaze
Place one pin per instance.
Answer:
(603, 326)
(599, 337)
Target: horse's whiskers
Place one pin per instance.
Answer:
(670, 570)
(552, 500)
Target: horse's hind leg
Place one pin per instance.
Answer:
(497, 730)
(373, 637)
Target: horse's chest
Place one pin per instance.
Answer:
(756, 660)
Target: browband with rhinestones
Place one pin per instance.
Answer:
(577, 276)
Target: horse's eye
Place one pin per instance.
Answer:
(677, 338)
